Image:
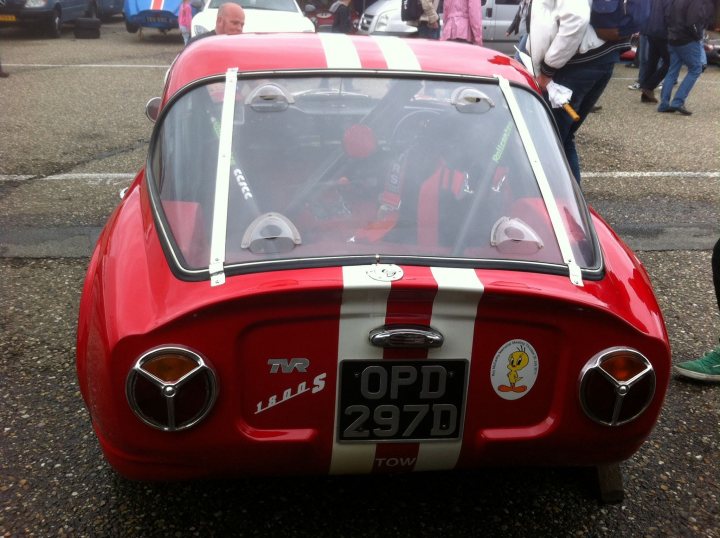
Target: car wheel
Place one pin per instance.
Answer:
(132, 28)
(55, 24)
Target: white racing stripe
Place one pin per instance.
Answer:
(398, 54)
(340, 52)
(364, 307)
(454, 315)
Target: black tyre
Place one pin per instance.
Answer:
(132, 28)
(55, 24)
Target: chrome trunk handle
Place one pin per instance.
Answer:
(406, 336)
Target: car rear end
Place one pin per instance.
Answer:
(348, 268)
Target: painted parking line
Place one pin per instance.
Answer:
(105, 66)
(651, 174)
(115, 177)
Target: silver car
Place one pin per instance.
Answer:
(383, 18)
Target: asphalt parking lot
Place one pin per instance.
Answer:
(75, 133)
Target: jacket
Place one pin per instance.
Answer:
(185, 15)
(429, 15)
(687, 20)
(559, 30)
(462, 19)
(521, 23)
(656, 25)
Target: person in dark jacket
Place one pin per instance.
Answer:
(686, 23)
(658, 58)
(342, 18)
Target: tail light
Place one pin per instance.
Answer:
(171, 388)
(616, 386)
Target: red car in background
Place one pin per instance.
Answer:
(361, 255)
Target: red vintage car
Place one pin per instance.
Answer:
(361, 255)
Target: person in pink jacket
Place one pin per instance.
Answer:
(462, 21)
(185, 20)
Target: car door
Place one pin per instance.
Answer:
(497, 16)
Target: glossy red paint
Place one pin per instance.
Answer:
(269, 52)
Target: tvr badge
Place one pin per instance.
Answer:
(287, 366)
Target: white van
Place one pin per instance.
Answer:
(383, 18)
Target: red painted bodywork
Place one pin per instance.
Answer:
(132, 302)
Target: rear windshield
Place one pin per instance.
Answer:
(340, 169)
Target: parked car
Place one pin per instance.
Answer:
(260, 16)
(151, 14)
(105, 9)
(47, 15)
(383, 18)
(353, 254)
(711, 44)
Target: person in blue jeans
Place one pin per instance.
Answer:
(686, 20)
(567, 50)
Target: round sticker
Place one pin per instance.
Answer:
(514, 369)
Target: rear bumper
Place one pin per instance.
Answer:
(23, 17)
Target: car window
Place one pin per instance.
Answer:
(339, 168)
(272, 5)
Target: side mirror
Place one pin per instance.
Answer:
(152, 108)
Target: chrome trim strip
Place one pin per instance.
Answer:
(222, 182)
(340, 52)
(532, 154)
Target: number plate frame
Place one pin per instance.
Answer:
(413, 403)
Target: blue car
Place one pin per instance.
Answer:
(160, 14)
(50, 15)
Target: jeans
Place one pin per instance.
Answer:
(657, 63)
(587, 81)
(185, 31)
(521, 46)
(425, 32)
(688, 55)
(642, 56)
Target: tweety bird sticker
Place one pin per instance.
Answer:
(514, 369)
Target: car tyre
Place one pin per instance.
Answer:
(55, 24)
(132, 28)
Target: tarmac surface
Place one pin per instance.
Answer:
(74, 135)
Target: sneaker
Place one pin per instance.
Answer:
(634, 86)
(706, 368)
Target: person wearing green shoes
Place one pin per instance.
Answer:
(706, 368)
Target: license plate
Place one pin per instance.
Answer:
(398, 401)
(7, 18)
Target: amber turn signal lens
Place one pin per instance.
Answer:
(623, 367)
(170, 368)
